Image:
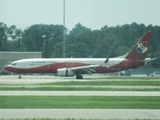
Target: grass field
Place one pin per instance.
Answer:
(69, 88)
(102, 84)
(94, 102)
(112, 82)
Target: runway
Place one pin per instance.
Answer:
(36, 79)
(79, 113)
(13, 79)
(77, 93)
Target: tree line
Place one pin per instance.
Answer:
(81, 42)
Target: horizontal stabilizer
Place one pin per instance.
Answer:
(147, 60)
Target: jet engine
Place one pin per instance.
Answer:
(65, 72)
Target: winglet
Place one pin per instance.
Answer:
(107, 59)
(92, 56)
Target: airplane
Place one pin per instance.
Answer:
(69, 67)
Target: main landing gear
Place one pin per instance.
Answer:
(19, 77)
(79, 76)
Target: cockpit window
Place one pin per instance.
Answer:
(14, 64)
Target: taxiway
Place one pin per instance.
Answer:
(79, 113)
(77, 93)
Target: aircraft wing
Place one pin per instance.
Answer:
(85, 69)
(89, 68)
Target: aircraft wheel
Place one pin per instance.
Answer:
(79, 76)
(19, 76)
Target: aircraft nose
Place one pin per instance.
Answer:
(6, 68)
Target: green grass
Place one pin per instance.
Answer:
(124, 77)
(103, 83)
(73, 119)
(75, 89)
(92, 102)
(56, 119)
(95, 85)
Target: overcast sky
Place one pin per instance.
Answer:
(93, 14)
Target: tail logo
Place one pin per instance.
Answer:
(142, 47)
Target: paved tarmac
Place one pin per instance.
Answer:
(78, 93)
(36, 79)
(80, 113)
(77, 86)
(13, 79)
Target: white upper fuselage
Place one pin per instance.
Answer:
(38, 62)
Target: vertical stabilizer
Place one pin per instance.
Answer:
(140, 50)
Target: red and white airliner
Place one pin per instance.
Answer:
(77, 66)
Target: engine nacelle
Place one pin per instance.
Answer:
(65, 72)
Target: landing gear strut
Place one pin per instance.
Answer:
(79, 76)
(19, 76)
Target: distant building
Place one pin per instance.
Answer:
(8, 57)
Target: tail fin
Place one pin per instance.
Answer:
(140, 50)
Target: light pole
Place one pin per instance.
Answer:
(64, 29)
(44, 45)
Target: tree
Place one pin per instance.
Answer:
(79, 42)
(3, 37)
(15, 39)
(43, 38)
